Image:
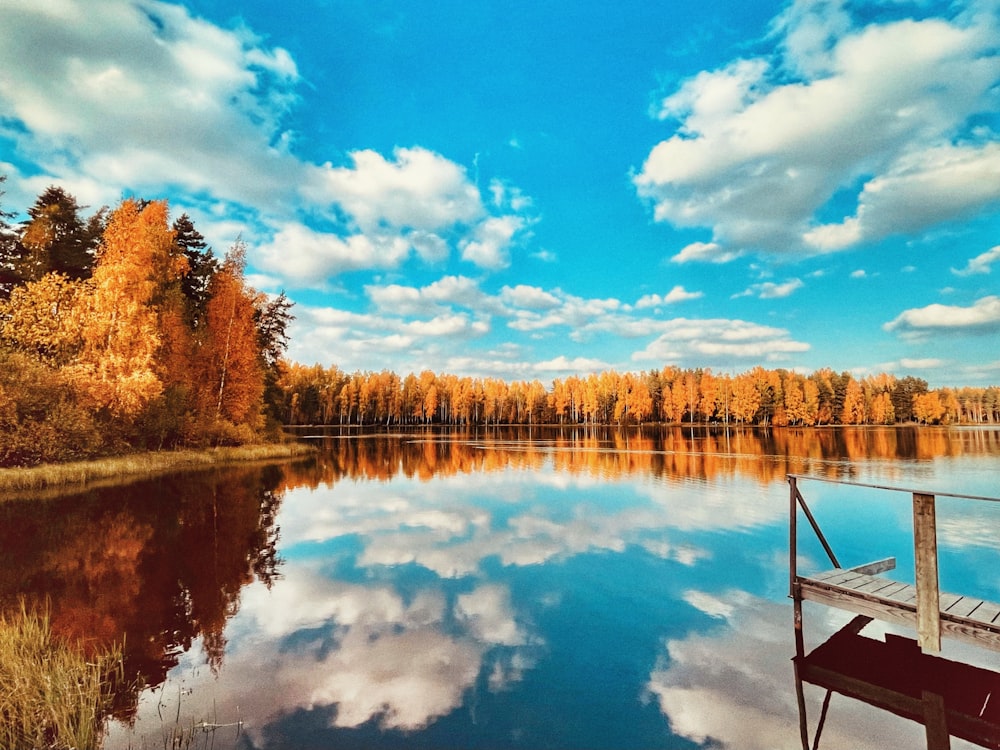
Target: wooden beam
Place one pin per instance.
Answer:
(793, 542)
(874, 568)
(926, 563)
(935, 721)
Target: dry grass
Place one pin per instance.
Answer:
(16, 481)
(51, 695)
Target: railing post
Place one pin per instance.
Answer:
(926, 564)
(793, 548)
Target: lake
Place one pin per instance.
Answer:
(532, 588)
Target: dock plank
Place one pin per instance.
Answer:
(987, 613)
(947, 601)
(963, 607)
(843, 577)
(877, 586)
(892, 590)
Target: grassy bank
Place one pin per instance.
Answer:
(51, 694)
(16, 481)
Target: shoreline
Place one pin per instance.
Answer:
(74, 475)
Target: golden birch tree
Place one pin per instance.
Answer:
(232, 374)
(121, 334)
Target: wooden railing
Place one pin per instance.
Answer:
(928, 595)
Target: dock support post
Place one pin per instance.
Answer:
(793, 544)
(926, 563)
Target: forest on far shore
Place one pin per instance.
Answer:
(327, 396)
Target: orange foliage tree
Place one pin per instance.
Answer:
(121, 334)
(228, 359)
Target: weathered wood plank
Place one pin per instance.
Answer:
(890, 591)
(963, 606)
(906, 595)
(843, 577)
(877, 586)
(901, 614)
(859, 582)
(947, 601)
(926, 564)
(876, 567)
(987, 612)
(823, 575)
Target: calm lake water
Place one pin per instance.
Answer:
(521, 589)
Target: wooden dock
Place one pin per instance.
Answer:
(861, 588)
(948, 698)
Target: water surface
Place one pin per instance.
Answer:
(523, 589)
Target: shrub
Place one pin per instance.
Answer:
(40, 417)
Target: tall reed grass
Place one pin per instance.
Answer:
(51, 695)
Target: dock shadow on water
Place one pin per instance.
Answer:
(523, 589)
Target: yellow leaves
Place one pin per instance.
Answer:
(43, 318)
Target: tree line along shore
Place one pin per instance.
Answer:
(671, 395)
(122, 332)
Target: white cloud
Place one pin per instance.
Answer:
(488, 613)
(677, 294)
(145, 97)
(490, 244)
(529, 297)
(756, 156)
(709, 252)
(920, 190)
(364, 680)
(719, 341)
(711, 605)
(447, 326)
(115, 94)
(770, 290)
(926, 363)
(306, 257)
(419, 189)
(982, 316)
(982, 263)
(565, 366)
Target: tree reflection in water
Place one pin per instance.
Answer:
(151, 565)
(696, 452)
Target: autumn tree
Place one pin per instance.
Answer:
(54, 239)
(746, 398)
(231, 373)
(927, 408)
(116, 367)
(8, 279)
(202, 266)
(708, 388)
(795, 401)
(904, 395)
(854, 404)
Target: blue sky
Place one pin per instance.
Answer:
(534, 190)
